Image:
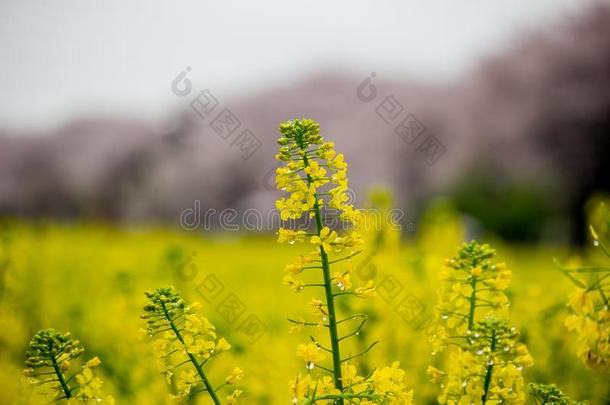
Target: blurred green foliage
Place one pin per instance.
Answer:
(516, 211)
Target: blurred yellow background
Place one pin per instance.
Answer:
(90, 279)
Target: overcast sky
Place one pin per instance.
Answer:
(61, 59)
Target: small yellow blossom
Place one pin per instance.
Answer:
(94, 362)
(298, 387)
(236, 375)
(232, 399)
(435, 374)
(290, 236)
(222, 345)
(325, 239)
(311, 354)
(581, 301)
(342, 280)
(366, 291)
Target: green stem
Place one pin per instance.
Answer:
(473, 302)
(490, 367)
(601, 292)
(60, 376)
(330, 300)
(192, 358)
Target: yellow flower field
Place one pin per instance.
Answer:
(90, 279)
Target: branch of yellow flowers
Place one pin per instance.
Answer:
(305, 151)
(181, 335)
(48, 362)
(486, 359)
(589, 305)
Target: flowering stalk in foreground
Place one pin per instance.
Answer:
(549, 394)
(485, 357)
(48, 362)
(182, 339)
(589, 303)
(315, 177)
